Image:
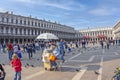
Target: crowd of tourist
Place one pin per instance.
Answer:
(52, 51)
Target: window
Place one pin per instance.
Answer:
(7, 20)
(2, 19)
(28, 22)
(38, 32)
(16, 31)
(35, 24)
(39, 24)
(20, 31)
(47, 25)
(24, 31)
(32, 31)
(2, 29)
(28, 32)
(42, 25)
(11, 30)
(93, 33)
(32, 23)
(16, 21)
(35, 32)
(7, 30)
(20, 21)
(24, 22)
(103, 33)
(12, 20)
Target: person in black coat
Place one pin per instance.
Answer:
(2, 73)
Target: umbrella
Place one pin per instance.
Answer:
(47, 36)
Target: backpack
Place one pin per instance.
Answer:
(52, 57)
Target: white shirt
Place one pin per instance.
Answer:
(15, 48)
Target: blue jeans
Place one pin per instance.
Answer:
(62, 53)
(17, 75)
(10, 54)
(53, 63)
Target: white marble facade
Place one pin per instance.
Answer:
(20, 28)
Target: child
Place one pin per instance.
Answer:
(2, 73)
(16, 64)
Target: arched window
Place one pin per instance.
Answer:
(32, 31)
(28, 22)
(16, 31)
(20, 21)
(7, 30)
(16, 21)
(24, 31)
(2, 29)
(7, 20)
(20, 31)
(11, 30)
(24, 22)
(3, 19)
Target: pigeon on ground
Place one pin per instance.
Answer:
(38, 59)
(97, 73)
(73, 53)
(32, 65)
(77, 70)
(27, 64)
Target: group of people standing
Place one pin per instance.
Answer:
(14, 51)
(51, 52)
(105, 44)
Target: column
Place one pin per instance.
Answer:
(14, 31)
(33, 31)
(37, 32)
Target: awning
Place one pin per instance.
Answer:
(101, 36)
(86, 37)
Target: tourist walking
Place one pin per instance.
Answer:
(62, 51)
(108, 44)
(29, 50)
(101, 43)
(16, 64)
(10, 50)
(15, 48)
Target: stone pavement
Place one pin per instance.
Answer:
(82, 65)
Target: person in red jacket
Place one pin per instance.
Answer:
(10, 51)
(16, 64)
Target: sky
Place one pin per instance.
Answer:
(80, 14)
